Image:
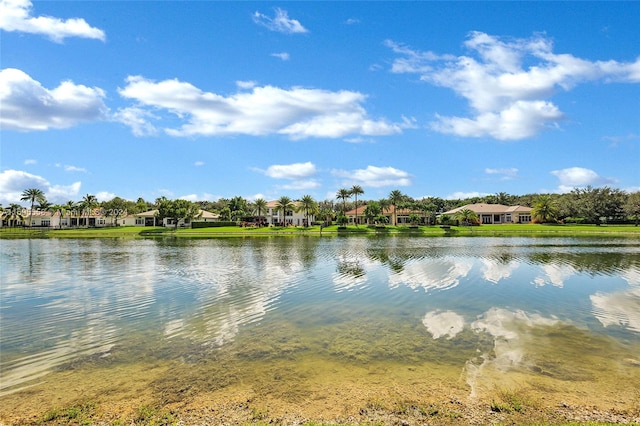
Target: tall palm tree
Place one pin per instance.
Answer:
(260, 205)
(343, 194)
(385, 205)
(32, 195)
(308, 205)
(89, 202)
(355, 191)
(70, 207)
(545, 209)
(396, 197)
(284, 204)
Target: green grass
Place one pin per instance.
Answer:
(504, 230)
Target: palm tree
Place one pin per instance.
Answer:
(545, 209)
(284, 204)
(88, 203)
(467, 217)
(396, 197)
(260, 205)
(308, 204)
(355, 191)
(343, 194)
(372, 211)
(58, 208)
(70, 207)
(32, 195)
(13, 214)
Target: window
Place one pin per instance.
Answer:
(524, 218)
(45, 222)
(507, 217)
(101, 222)
(139, 221)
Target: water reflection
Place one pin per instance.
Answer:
(66, 300)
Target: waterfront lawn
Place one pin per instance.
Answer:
(502, 230)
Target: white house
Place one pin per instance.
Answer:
(290, 218)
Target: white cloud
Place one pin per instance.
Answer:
(579, 177)
(15, 15)
(30, 161)
(138, 120)
(374, 177)
(200, 197)
(291, 171)
(68, 168)
(300, 185)
(26, 105)
(246, 84)
(298, 113)
(352, 21)
(198, 163)
(620, 308)
(280, 22)
(14, 182)
(503, 174)
(509, 98)
(282, 55)
(464, 195)
(105, 196)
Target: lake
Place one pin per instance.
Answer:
(327, 327)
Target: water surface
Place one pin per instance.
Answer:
(288, 318)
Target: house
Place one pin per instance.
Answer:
(402, 215)
(291, 217)
(149, 218)
(93, 218)
(496, 213)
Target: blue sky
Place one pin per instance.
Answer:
(202, 100)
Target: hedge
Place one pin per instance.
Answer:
(212, 224)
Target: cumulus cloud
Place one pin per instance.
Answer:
(105, 196)
(300, 175)
(14, 182)
(291, 171)
(297, 113)
(280, 22)
(375, 177)
(508, 98)
(25, 105)
(198, 163)
(30, 161)
(15, 15)
(579, 177)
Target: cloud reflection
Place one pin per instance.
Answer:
(438, 274)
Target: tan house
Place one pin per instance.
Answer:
(149, 218)
(496, 213)
(402, 215)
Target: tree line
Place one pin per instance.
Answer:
(582, 205)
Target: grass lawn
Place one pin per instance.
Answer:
(503, 230)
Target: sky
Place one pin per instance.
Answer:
(202, 100)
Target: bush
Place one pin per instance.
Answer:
(195, 225)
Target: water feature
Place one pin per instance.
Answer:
(289, 320)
